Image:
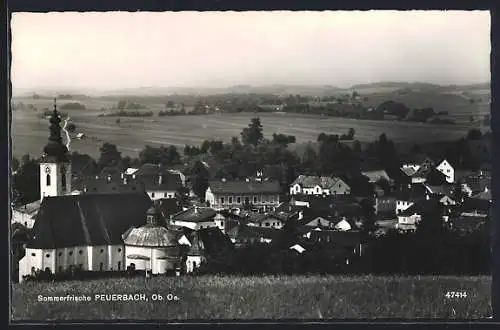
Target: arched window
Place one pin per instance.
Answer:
(119, 265)
(47, 179)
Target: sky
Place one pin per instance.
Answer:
(113, 50)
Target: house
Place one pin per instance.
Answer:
(110, 184)
(411, 217)
(153, 247)
(263, 195)
(82, 231)
(266, 220)
(242, 235)
(476, 183)
(226, 220)
(319, 185)
(447, 169)
(409, 196)
(204, 244)
(348, 241)
(25, 214)
(386, 205)
(194, 218)
(158, 181)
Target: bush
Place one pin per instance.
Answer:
(73, 106)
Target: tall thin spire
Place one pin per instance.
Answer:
(55, 148)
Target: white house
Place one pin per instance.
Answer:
(319, 185)
(448, 170)
(159, 182)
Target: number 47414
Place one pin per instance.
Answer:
(456, 294)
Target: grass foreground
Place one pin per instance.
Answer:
(269, 297)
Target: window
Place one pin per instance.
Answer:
(33, 254)
(70, 253)
(119, 250)
(272, 199)
(152, 195)
(119, 265)
(47, 270)
(267, 224)
(59, 254)
(102, 251)
(222, 200)
(238, 200)
(254, 199)
(165, 195)
(47, 179)
(80, 252)
(230, 200)
(47, 255)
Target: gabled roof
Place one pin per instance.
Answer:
(445, 189)
(208, 241)
(169, 206)
(243, 231)
(81, 220)
(150, 169)
(325, 182)
(244, 187)
(484, 195)
(376, 175)
(195, 214)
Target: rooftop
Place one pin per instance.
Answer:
(195, 214)
(245, 187)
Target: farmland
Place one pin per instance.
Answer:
(29, 130)
(280, 297)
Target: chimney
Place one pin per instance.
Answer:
(159, 179)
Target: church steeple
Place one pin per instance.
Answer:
(55, 150)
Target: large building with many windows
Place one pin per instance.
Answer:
(256, 193)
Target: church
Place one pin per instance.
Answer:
(87, 231)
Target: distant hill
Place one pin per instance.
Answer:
(276, 89)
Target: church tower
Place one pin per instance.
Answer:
(55, 166)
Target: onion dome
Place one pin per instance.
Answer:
(55, 150)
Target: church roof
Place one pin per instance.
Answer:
(82, 220)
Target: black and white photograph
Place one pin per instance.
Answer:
(252, 165)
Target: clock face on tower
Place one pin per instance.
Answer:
(47, 169)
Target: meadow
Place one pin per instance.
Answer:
(29, 131)
(268, 297)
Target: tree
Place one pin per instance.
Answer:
(25, 181)
(71, 127)
(14, 164)
(110, 156)
(350, 134)
(200, 180)
(252, 135)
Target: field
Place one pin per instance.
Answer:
(283, 297)
(29, 132)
